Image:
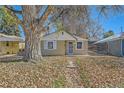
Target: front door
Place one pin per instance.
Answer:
(70, 48)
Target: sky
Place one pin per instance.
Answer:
(113, 22)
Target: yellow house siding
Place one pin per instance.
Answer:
(76, 51)
(82, 51)
(12, 48)
(60, 49)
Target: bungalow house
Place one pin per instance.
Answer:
(9, 44)
(63, 43)
(113, 45)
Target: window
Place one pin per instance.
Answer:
(50, 45)
(79, 45)
(7, 43)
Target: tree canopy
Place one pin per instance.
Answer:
(108, 34)
(8, 23)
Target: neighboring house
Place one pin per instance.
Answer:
(22, 45)
(9, 44)
(91, 45)
(63, 43)
(113, 45)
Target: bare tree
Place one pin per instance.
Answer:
(74, 18)
(94, 30)
(77, 19)
(33, 21)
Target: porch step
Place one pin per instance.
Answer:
(71, 65)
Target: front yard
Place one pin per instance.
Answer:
(89, 71)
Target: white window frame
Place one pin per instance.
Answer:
(52, 45)
(77, 44)
(46, 44)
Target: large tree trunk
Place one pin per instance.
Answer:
(33, 25)
(33, 22)
(33, 47)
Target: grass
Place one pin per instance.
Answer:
(85, 79)
(60, 82)
(83, 74)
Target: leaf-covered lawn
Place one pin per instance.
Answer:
(101, 71)
(48, 73)
(53, 72)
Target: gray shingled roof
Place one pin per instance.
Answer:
(10, 38)
(111, 38)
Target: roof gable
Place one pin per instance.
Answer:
(61, 35)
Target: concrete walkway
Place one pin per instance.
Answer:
(71, 74)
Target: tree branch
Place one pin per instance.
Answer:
(14, 11)
(43, 14)
(14, 14)
(61, 13)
